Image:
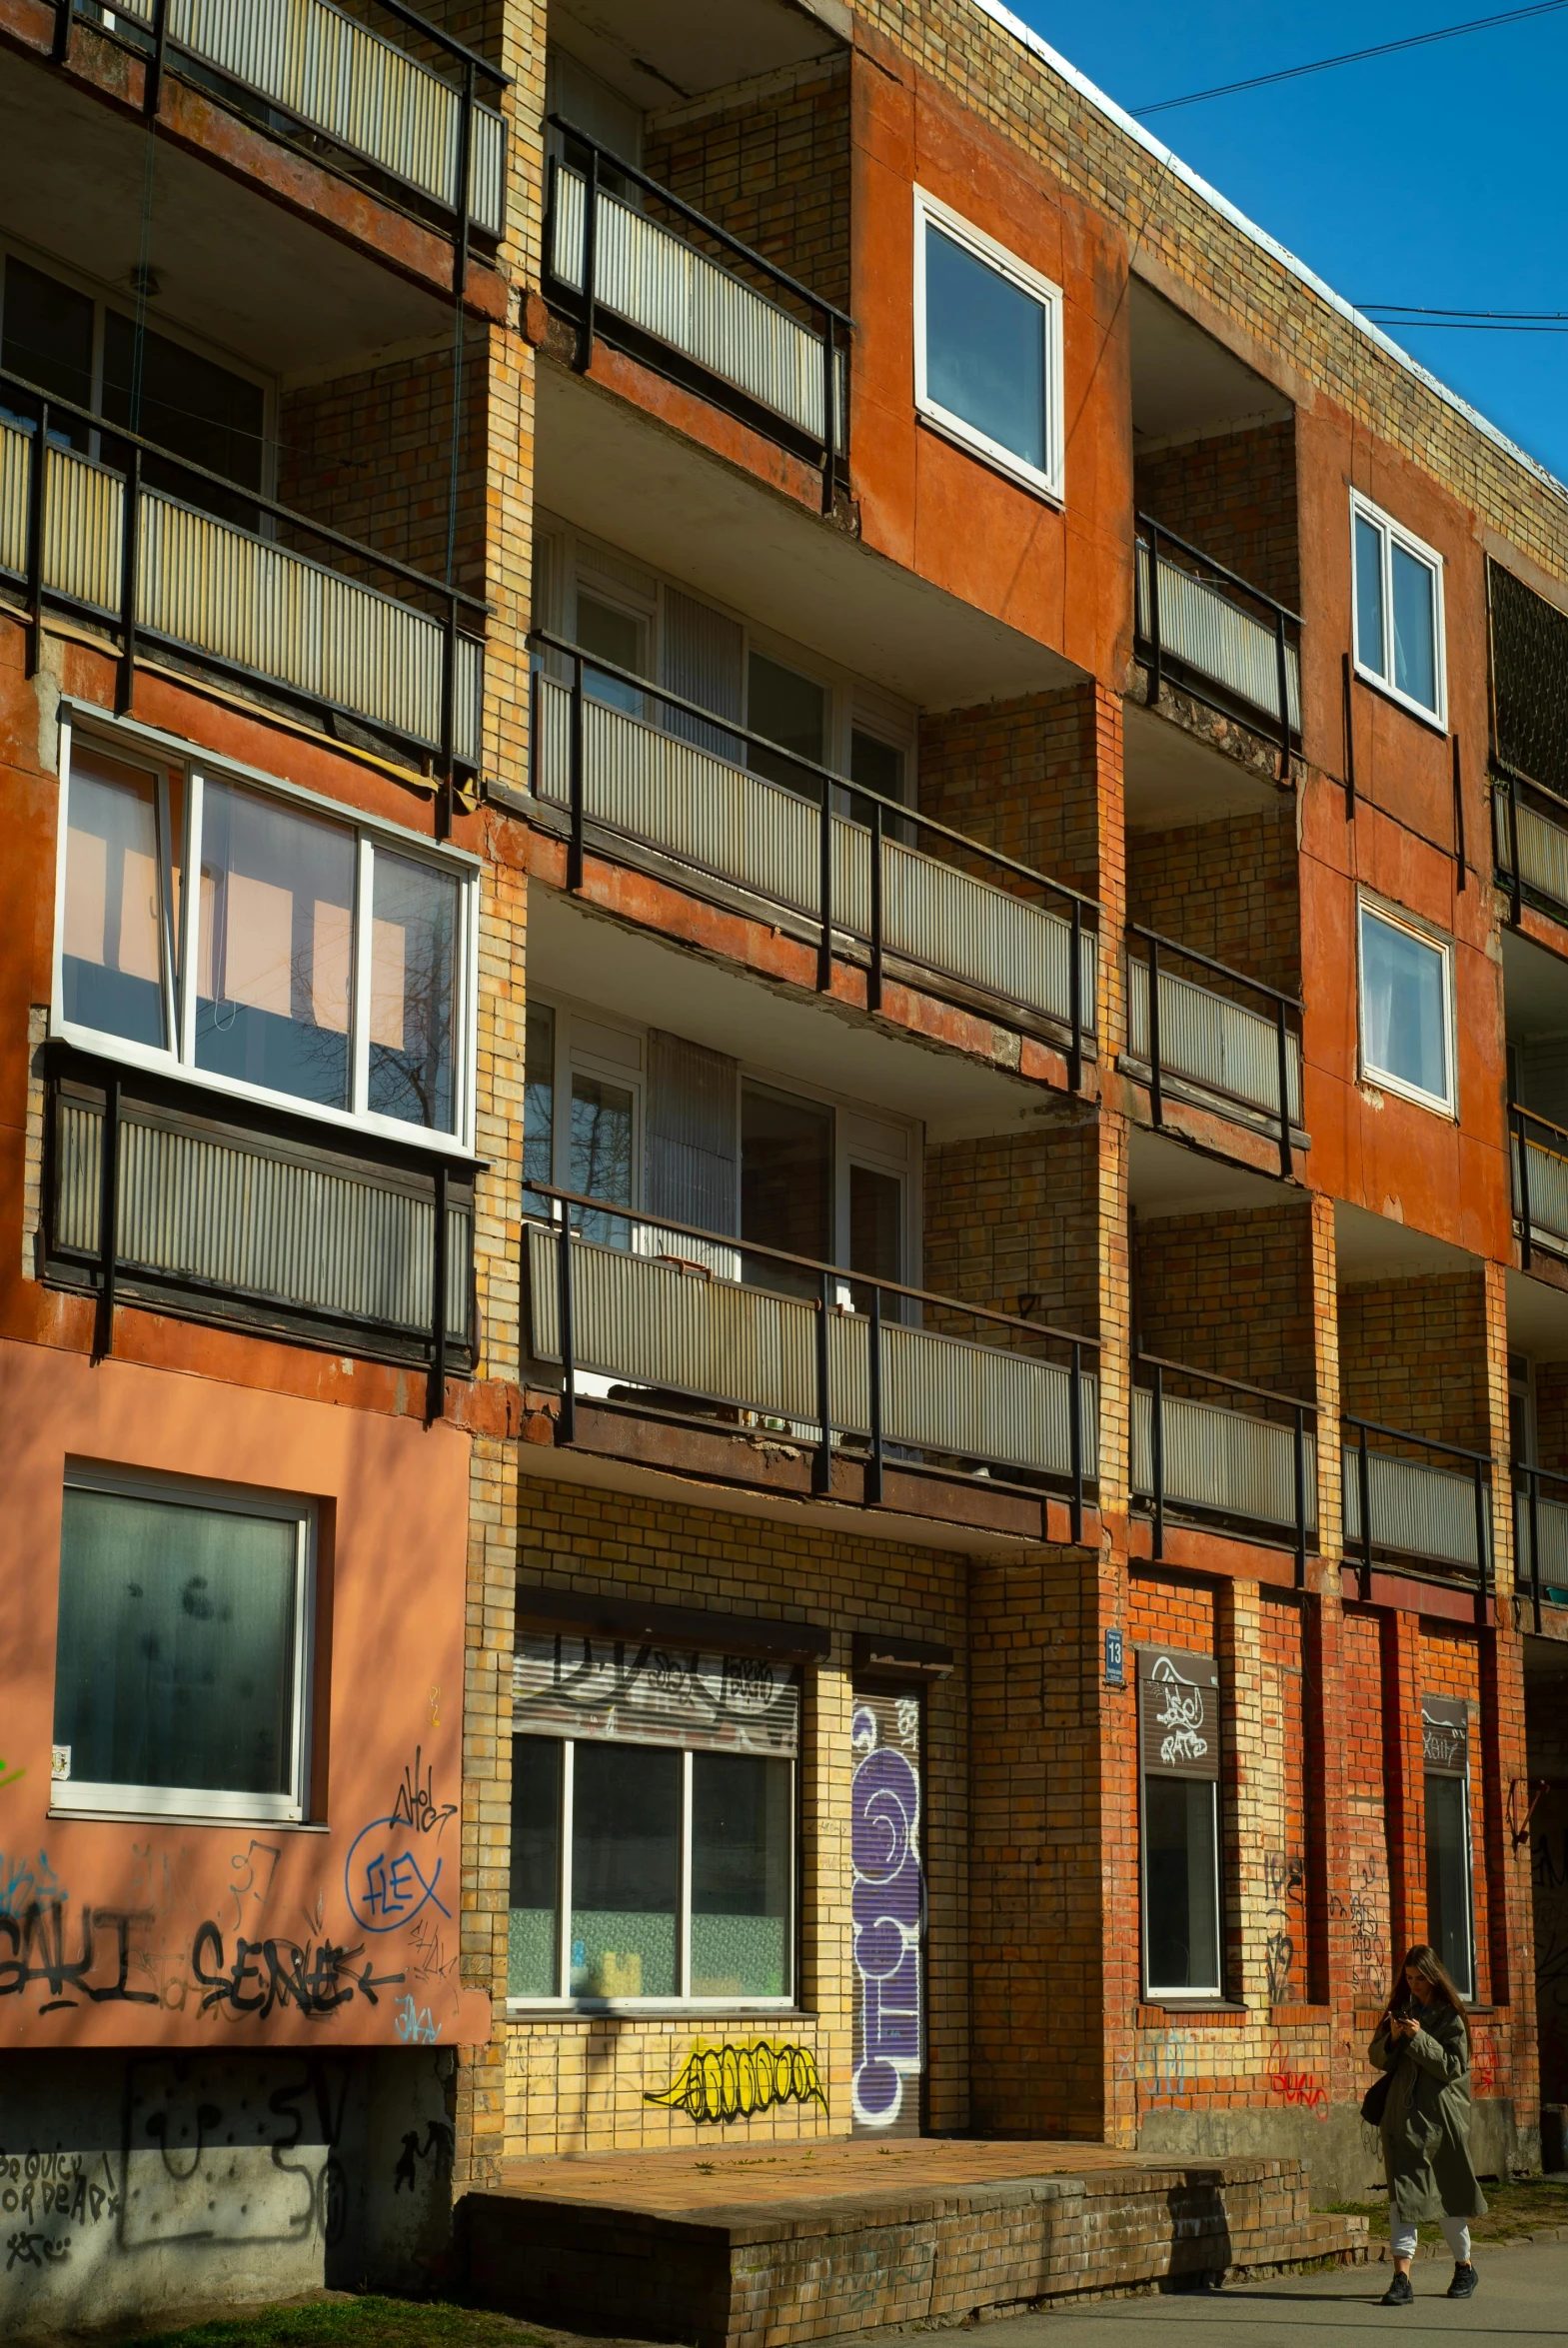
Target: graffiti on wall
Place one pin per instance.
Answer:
(393, 1868)
(887, 1907)
(262, 1975)
(719, 2081)
(1182, 1716)
(1297, 2089)
(1285, 1882)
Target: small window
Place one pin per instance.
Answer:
(987, 348)
(652, 1824)
(619, 636)
(790, 710)
(1398, 612)
(1178, 1734)
(315, 964)
(1406, 1009)
(181, 1664)
(1450, 1912)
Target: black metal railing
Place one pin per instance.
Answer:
(831, 325)
(818, 1284)
(1158, 1492)
(1508, 859)
(39, 411)
(885, 819)
(1283, 1006)
(1522, 1122)
(1277, 617)
(123, 1093)
(1529, 1501)
(1377, 1537)
(146, 31)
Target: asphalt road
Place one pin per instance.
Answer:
(1523, 2296)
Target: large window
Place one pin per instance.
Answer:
(313, 963)
(1398, 612)
(1179, 1742)
(987, 348)
(182, 1664)
(1407, 1026)
(652, 1824)
(1450, 1909)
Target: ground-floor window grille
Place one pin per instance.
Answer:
(1450, 1910)
(1179, 1742)
(652, 1824)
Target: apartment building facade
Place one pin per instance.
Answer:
(853, 1149)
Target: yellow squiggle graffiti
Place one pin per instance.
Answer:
(721, 2082)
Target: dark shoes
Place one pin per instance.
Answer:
(1398, 2294)
(1465, 2282)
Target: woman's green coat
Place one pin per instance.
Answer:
(1426, 2120)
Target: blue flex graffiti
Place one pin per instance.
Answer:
(885, 1854)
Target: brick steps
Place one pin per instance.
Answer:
(765, 2272)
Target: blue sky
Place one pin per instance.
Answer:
(1439, 176)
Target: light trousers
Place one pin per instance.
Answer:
(1456, 2233)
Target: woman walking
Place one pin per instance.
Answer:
(1423, 2045)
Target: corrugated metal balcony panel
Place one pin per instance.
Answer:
(206, 1208)
(1543, 849)
(240, 599)
(1200, 626)
(1212, 1042)
(342, 78)
(1548, 1172)
(660, 1325)
(739, 826)
(1418, 1511)
(657, 281)
(1222, 1460)
(1551, 1517)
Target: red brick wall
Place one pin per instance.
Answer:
(773, 170)
(1191, 1274)
(1228, 889)
(1011, 1222)
(1021, 777)
(1281, 1761)
(1360, 1726)
(1412, 1354)
(1234, 496)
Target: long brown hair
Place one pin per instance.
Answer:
(1425, 1960)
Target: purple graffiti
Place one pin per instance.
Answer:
(885, 1850)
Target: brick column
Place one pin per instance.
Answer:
(1246, 1772)
(1404, 1783)
(1329, 1967)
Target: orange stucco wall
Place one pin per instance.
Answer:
(236, 1934)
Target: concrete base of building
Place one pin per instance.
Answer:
(809, 2242)
(1341, 2154)
(133, 2186)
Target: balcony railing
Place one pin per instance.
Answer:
(1406, 1508)
(608, 259)
(1538, 1151)
(161, 571)
(1530, 841)
(1214, 629)
(1225, 1050)
(1540, 1536)
(855, 882)
(339, 78)
(670, 1313)
(1219, 1459)
(176, 1201)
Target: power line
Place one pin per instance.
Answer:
(1291, 73)
(1424, 310)
(1411, 314)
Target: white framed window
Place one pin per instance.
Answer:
(1178, 1774)
(582, 1084)
(182, 1655)
(1450, 1902)
(1399, 597)
(1407, 1006)
(322, 962)
(653, 1826)
(987, 348)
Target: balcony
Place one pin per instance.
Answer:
(1220, 638)
(781, 359)
(1538, 1152)
(163, 572)
(697, 1328)
(1540, 1537)
(866, 891)
(247, 1218)
(1219, 1463)
(1200, 1046)
(308, 68)
(1399, 1506)
(1530, 844)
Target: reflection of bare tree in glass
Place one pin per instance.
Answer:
(413, 1081)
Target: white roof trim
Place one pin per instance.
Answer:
(1029, 39)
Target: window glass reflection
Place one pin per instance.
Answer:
(413, 994)
(602, 1137)
(1403, 1006)
(741, 1862)
(1415, 627)
(984, 349)
(1180, 1880)
(533, 1953)
(625, 1871)
(114, 923)
(1369, 595)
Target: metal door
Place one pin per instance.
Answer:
(886, 1853)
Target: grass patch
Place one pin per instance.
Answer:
(1517, 2208)
(369, 2322)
